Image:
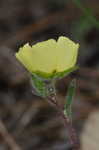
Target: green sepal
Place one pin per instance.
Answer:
(55, 74)
(42, 87)
(38, 86)
(60, 75)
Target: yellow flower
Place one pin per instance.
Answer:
(49, 57)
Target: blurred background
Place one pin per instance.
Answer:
(28, 122)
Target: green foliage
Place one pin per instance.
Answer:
(81, 27)
(87, 12)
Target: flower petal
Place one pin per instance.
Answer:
(24, 55)
(67, 52)
(44, 56)
(49, 58)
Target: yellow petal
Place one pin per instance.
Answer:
(49, 57)
(45, 56)
(25, 56)
(40, 57)
(67, 53)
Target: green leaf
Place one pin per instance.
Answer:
(69, 98)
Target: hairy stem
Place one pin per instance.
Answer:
(67, 122)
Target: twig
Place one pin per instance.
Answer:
(8, 138)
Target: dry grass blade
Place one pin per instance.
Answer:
(8, 138)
